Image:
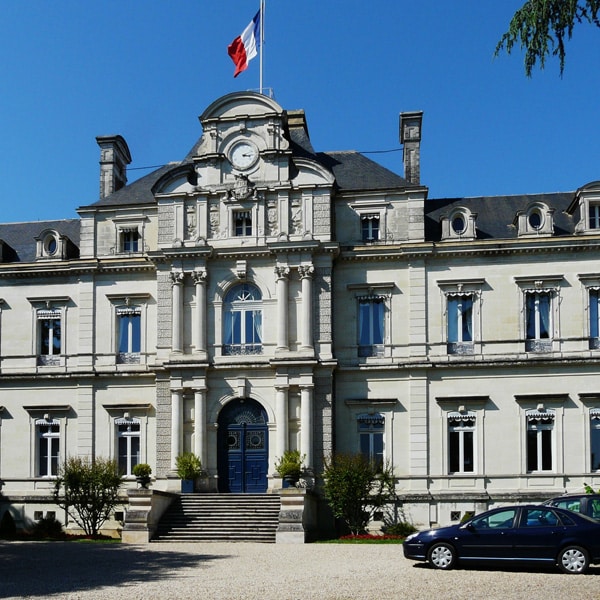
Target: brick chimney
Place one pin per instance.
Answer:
(114, 158)
(410, 138)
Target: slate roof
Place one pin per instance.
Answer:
(496, 214)
(20, 237)
(354, 171)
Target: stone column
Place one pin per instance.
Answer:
(176, 425)
(281, 416)
(200, 425)
(177, 312)
(306, 423)
(282, 274)
(199, 332)
(306, 273)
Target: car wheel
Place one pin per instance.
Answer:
(573, 559)
(442, 556)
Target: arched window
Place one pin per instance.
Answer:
(242, 320)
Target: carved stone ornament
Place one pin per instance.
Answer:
(242, 189)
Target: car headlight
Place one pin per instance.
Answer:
(412, 536)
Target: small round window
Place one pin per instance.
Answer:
(50, 245)
(458, 224)
(535, 219)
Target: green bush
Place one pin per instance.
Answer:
(88, 490)
(290, 464)
(142, 470)
(355, 488)
(402, 528)
(188, 466)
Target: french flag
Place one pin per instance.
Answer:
(245, 47)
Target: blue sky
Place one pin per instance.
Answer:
(145, 69)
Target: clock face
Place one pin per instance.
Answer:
(243, 155)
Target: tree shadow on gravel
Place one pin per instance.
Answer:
(43, 568)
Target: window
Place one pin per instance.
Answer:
(242, 223)
(128, 444)
(458, 224)
(540, 425)
(48, 447)
(370, 227)
(500, 519)
(129, 240)
(49, 335)
(594, 215)
(129, 333)
(594, 299)
(460, 323)
(243, 320)
(370, 434)
(539, 517)
(595, 439)
(538, 321)
(371, 311)
(535, 219)
(461, 430)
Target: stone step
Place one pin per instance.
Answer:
(220, 517)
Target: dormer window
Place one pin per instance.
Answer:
(585, 208)
(51, 245)
(594, 215)
(537, 220)
(459, 224)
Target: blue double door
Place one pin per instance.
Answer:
(243, 448)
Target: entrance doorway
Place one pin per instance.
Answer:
(243, 447)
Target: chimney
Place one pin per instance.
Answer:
(114, 158)
(410, 138)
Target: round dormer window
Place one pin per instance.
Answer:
(50, 245)
(458, 224)
(535, 219)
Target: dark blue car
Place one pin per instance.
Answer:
(536, 535)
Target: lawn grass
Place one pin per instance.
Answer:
(365, 539)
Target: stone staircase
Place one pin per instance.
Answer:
(220, 518)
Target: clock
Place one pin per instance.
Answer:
(243, 155)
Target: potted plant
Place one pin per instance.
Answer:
(142, 472)
(189, 468)
(290, 467)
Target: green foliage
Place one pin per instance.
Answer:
(589, 489)
(88, 490)
(48, 527)
(402, 529)
(290, 464)
(188, 466)
(142, 470)
(355, 488)
(541, 28)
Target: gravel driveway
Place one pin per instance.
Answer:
(261, 571)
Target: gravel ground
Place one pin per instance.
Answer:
(262, 571)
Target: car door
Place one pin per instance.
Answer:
(538, 535)
(489, 536)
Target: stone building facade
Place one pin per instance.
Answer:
(260, 296)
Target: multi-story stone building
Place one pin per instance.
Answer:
(259, 296)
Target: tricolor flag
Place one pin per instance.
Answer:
(245, 47)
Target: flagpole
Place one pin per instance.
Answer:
(262, 41)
